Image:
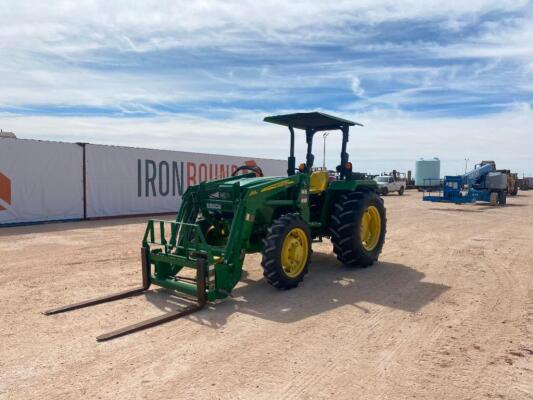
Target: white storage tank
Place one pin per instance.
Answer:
(427, 172)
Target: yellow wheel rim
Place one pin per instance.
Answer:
(294, 252)
(370, 228)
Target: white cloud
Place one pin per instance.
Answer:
(505, 38)
(81, 53)
(97, 53)
(388, 140)
(67, 27)
(356, 87)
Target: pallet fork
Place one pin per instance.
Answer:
(201, 300)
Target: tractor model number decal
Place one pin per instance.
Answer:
(214, 206)
(249, 217)
(304, 196)
(277, 185)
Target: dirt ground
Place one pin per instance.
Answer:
(447, 313)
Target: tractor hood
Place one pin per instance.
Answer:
(229, 187)
(221, 194)
(245, 182)
(260, 183)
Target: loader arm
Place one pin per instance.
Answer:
(173, 246)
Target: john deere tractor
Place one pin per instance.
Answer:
(221, 221)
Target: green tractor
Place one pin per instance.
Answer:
(221, 221)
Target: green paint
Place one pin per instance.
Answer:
(226, 219)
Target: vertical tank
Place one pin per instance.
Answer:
(427, 172)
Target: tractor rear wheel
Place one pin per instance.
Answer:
(358, 227)
(286, 252)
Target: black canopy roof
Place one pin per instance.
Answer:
(313, 120)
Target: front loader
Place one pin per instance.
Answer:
(200, 255)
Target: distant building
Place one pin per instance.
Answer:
(9, 135)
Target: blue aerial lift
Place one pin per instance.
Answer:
(483, 183)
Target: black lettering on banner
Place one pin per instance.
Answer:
(177, 178)
(163, 178)
(150, 177)
(139, 179)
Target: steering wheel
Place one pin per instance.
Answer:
(255, 169)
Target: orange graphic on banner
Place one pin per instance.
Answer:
(5, 190)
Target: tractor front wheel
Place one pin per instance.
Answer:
(286, 252)
(358, 226)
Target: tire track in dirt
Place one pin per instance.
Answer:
(474, 361)
(405, 328)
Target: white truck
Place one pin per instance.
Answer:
(388, 184)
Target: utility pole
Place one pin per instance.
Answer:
(325, 135)
(466, 165)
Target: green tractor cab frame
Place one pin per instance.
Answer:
(312, 123)
(200, 255)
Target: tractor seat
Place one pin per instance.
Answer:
(318, 182)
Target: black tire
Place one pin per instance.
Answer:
(346, 228)
(213, 236)
(385, 191)
(400, 192)
(502, 198)
(273, 269)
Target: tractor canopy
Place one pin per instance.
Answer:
(313, 122)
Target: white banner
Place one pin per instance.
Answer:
(40, 181)
(128, 181)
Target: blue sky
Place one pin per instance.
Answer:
(452, 79)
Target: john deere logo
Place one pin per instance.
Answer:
(5, 191)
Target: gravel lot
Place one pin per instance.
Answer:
(447, 313)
